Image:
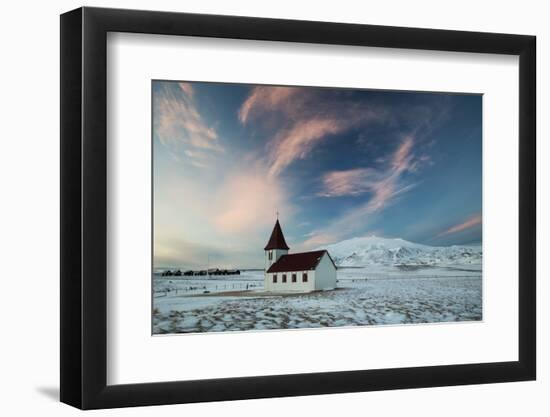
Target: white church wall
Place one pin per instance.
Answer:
(276, 254)
(289, 286)
(325, 276)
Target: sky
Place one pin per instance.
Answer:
(333, 163)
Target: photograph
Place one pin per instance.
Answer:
(258, 205)
(297, 207)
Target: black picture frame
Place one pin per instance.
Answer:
(84, 207)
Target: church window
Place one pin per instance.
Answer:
(304, 277)
(293, 277)
(274, 278)
(284, 277)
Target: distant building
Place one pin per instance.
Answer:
(300, 272)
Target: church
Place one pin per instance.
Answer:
(296, 272)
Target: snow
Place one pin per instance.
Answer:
(374, 295)
(373, 250)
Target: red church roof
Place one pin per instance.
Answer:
(277, 239)
(305, 261)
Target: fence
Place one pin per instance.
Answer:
(205, 289)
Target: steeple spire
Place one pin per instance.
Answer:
(277, 239)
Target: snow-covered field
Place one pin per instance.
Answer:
(374, 295)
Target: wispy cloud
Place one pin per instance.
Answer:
(248, 200)
(472, 221)
(385, 185)
(297, 141)
(265, 99)
(180, 127)
(352, 182)
(304, 120)
(187, 89)
(319, 239)
(290, 149)
(230, 212)
(381, 182)
(403, 156)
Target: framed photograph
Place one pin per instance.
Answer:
(257, 208)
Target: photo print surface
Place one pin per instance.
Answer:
(289, 207)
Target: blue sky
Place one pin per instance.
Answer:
(335, 164)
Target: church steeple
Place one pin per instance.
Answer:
(276, 247)
(277, 239)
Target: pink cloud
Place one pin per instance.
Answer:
(385, 184)
(319, 240)
(420, 162)
(472, 221)
(187, 89)
(306, 132)
(390, 184)
(265, 99)
(249, 199)
(179, 125)
(351, 182)
(384, 195)
(385, 192)
(303, 121)
(403, 156)
(299, 140)
(227, 212)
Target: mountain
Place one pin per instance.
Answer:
(373, 250)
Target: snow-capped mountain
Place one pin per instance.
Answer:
(373, 250)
